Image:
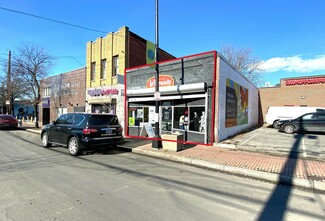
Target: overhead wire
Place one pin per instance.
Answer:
(52, 20)
(60, 22)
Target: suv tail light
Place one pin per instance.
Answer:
(120, 129)
(89, 131)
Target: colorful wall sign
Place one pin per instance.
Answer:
(97, 92)
(164, 80)
(236, 104)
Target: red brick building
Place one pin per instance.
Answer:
(303, 91)
(62, 93)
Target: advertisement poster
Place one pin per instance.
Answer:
(236, 104)
(152, 113)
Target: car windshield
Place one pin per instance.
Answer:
(97, 120)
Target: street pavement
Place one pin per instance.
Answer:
(290, 169)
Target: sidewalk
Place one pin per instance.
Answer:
(296, 172)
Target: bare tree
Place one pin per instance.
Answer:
(241, 59)
(33, 64)
(19, 89)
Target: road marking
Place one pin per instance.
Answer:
(124, 187)
(247, 140)
(304, 152)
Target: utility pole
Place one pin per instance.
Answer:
(156, 143)
(8, 102)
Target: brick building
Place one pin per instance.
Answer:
(106, 60)
(303, 91)
(62, 93)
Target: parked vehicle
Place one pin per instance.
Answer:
(275, 114)
(8, 121)
(311, 122)
(82, 131)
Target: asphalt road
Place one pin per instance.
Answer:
(269, 140)
(49, 184)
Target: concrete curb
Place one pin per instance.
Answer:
(34, 131)
(272, 177)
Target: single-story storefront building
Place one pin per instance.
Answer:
(201, 97)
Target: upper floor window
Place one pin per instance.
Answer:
(47, 92)
(93, 71)
(103, 69)
(115, 66)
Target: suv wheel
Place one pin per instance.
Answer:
(73, 146)
(276, 125)
(45, 140)
(289, 129)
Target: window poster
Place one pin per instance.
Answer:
(236, 104)
(152, 113)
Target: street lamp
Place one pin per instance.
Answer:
(156, 143)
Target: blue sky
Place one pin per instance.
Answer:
(287, 35)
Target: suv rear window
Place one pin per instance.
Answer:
(97, 120)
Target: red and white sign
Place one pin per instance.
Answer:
(317, 80)
(164, 80)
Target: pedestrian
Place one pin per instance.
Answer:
(186, 120)
(181, 122)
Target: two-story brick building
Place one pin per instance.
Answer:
(62, 93)
(106, 60)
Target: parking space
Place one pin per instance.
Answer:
(269, 140)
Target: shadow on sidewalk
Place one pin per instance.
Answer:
(277, 204)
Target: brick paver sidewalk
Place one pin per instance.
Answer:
(297, 168)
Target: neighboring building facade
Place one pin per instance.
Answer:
(61, 94)
(106, 60)
(201, 97)
(298, 91)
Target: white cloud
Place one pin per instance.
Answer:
(294, 64)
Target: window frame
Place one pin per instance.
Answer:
(93, 71)
(115, 65)
(103, 69)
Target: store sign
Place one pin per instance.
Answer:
(46, 102)
(319, 80)
(164, 80)
(97, 92)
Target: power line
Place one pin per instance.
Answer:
(74, 58)
(52, 20)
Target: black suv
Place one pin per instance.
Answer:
(311, 122)
(82, 131)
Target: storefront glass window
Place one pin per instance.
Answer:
(102, 108)
(179, 117)
(138, 115)
(189, 118)
(166, 123)
(197, 119)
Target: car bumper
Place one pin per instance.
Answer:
(8, 125)
(93, 143)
